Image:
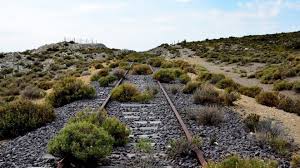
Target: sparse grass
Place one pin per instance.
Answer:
(21, 116)
(237, 162)
(207, 115)
(69, 90)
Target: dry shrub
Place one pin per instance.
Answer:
(141, 69)
(207, 115)
(33, 92)
(268, 98)
(206, 94)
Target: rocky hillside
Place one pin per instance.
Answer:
(54, 61)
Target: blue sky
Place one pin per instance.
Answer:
(140, 24)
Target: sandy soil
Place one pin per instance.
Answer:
(247, 105)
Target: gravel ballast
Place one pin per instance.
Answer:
(153, 120)
(230, 136)
(30, 150)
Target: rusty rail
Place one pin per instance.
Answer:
(117, 84)
(198, 152)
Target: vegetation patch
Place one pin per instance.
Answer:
(250, 91)
(191, 87)
(141, 69)
(268, 99)
(69, 90)
(236, 161)
(21, 116)
(207, 115)
(182, 148)
(206, 94)
(129, 92)
(33, 92)
(88, 137)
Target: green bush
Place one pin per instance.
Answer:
(33, 92)
(69, 90)
(296, 86)
(117, 130)
(252, 121)
(282, 85)
(105, 81)
(165, 75)
(95, 117)
(206, 94)
(99, 74)
(143, 97)
(268, 98)
(141, 69)
(21, 116)
(184, 78)
(191, 87)
(156, 62)
(81, 141)
(124, 92)
(250, 91)
(227, 83)
(175, 89)
(237, 162)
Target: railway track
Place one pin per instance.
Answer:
(157, 120)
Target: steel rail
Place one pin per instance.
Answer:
(116, 85)
(198, 152)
